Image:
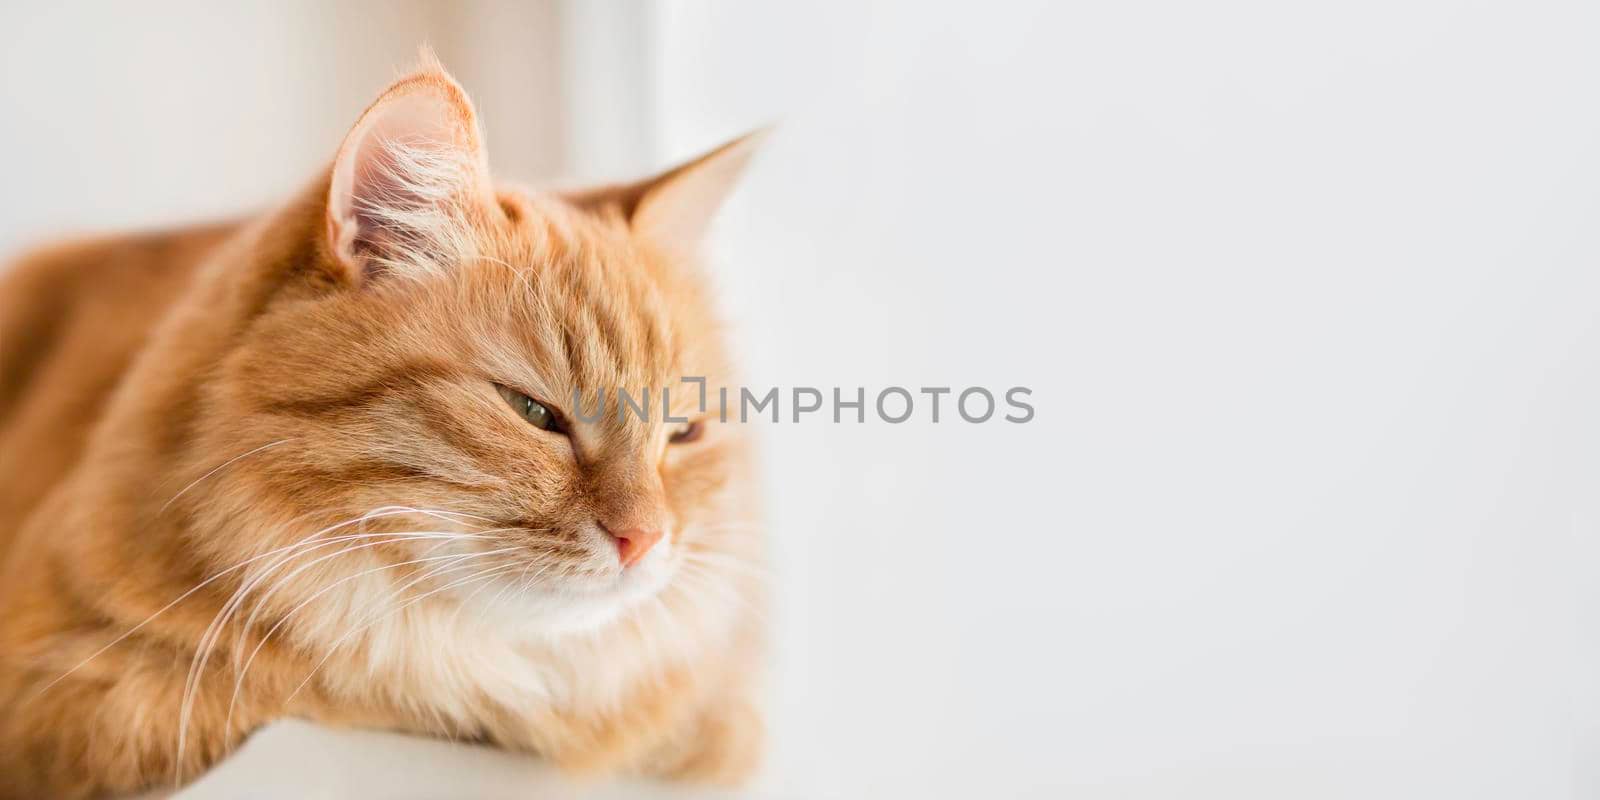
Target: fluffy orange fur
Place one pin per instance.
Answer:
(265, 469)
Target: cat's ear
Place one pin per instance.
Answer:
(674, 209)
(407, 179)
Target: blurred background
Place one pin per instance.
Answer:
(1305, 294)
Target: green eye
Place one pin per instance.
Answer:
(688, 433)
(536, 413)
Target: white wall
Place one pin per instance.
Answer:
(118, 115)
(1308, 300)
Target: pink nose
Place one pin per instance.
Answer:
(632, 544)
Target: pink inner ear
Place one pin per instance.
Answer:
(407, 161)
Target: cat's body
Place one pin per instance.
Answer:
(72, 317)
(261, 469)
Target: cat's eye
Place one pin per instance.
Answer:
(687, 433)
(536, 413)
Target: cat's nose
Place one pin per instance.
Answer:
(633, 543)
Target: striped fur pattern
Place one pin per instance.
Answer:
(262, 469)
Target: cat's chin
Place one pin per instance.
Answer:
(579, 606)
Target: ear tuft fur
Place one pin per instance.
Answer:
(428, 61)
(409, 215)
(406, 179)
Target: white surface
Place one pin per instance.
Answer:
(296, 760)
(1307, 296)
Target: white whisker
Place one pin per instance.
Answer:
(215, 470)
(209, 638)
(180, 598)
(453, 558)
(484, 575)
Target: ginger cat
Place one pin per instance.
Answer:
(325, 463)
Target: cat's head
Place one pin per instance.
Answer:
(408, 403)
